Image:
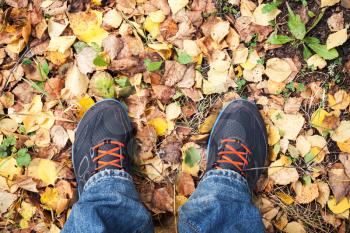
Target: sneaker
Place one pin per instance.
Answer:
(238, 141)
(101, 139)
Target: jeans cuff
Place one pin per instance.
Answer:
(107, 175)
(232, 175)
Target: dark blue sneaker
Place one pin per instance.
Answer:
(238, 141)
(101, 141)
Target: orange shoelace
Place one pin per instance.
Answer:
(232, 151)
(102, 153)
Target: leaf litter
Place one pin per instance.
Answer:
(175, 64)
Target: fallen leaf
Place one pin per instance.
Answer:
(59, 136)
(27, 211)
(325, 3)
(6, 200)
(8, 125)
(173, 73)
(336, 22)
(87, 26)
(44, 170)
(112, 19)
(303, 145)
(342, 133)
(285, 198)
(331, 219)
(277, 69)
(344, 146)
(324, 192)
(208, 123)
(9, 168)
(102, 84)
(285, 176)
(162, 200)
(42, 137)
(85, 103)
(339, 101)
(76, 83)
(154, 169)
(338, 181)
(191, 157)
(61, 43)
(273, 135)
(316, 62)
(294, 227)
(172, 111)
(24, 182)
(305, 193)
(160, 125)
(289, 124)
(185, 184)
(262, 18)
(218, 78)
(85, 60)
(180, 201)
(340, 207)
(55, 29)
(336, 39)
(219, 31)
(177, 5)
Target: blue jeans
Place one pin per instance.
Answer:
(110, 203)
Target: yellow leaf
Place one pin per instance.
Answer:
(179, 201)
(339, 101)
(277, 69)
(317, 119)
(9, 168)
(160, 125)
(274, 135)
(27, 210)
(87, 26)
(43, 169)
(163, 49)
(152, 27)
(342, 133)
(97, 2)
(338, 208)
(285, 198)
(208, 123)
(50, 198)
(344, 146)
(84, 104)
(58, 58)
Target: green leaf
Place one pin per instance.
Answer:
(43, 69)
(79, 46)
(278, 39)
(311, 14)
(323, 51)
(307, 179)
(26, 61)
(23, 157)
(8, 141)
(96, 46)
(309, 157)
(270, 6)
(123, 81)
(100, 61)
(306, 53)
(152, 65)
(183, 58)
(311, 40)
(192, 157)
(295, 24)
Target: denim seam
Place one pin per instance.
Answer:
(107, 174)
(141, 228)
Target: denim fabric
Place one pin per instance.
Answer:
(110, 203)
(221, 203)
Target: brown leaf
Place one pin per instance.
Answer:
(324, 191)
(24, 182)
(137, 103)
(173, 73)
(330, 219)
(129, 66)
(168, 28)
(170, 149)
(305, 193)
(147, 138)
(59, 136)
(185, 185)
(336, 22)
(188, 78)
(344, 159)
(53, 87)
(163, 93)
(162, 200)
(338, 181)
